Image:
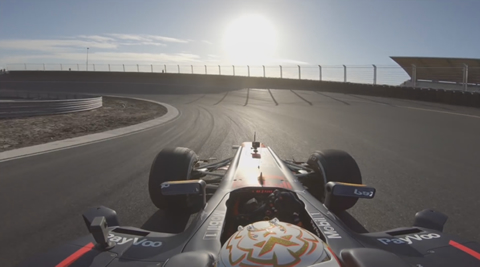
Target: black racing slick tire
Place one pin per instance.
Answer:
(333, 166)
(170, 164)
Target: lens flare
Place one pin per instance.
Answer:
(251, 39)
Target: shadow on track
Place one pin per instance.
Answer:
(402, 100)
(301, 97)
(375, 101)
(422, 104)
(273, 98)
(248, 95)
(331, 97)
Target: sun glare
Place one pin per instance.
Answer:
(250, 39)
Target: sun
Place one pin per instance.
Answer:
(250, 39)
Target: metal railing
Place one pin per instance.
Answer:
(457, 78)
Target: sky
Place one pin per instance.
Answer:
(336, 32)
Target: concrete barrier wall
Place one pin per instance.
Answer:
(146, 83)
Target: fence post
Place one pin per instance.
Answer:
(165, 68)
(319, 72)
(205, 69)
(123, 67)
(25, 66)
(109, 68)
(191, 66)
(374, 74)
(263, 71)
(281, 72)
(138, 69)
(178, 67)
(93, 67)
(248, 68)
(344, 73)
(465, 77)
(151, 67)
(219, 70)
(299, 72)
(414, 76)
(233, 66)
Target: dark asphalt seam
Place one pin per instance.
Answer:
(310, 103)
(346, 103)
(375, 101)
(196, 99)
(221, 99)
(248, 93)
(273, 98)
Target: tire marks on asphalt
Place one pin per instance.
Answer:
(195, 100)
(221, 99)
(211, 119)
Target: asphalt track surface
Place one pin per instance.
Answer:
(418, 155)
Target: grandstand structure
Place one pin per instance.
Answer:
(441, 73)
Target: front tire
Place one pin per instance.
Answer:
(333, 166)
(170, 164)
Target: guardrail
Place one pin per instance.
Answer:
(465, 76)
(15, 104)
(371, 74)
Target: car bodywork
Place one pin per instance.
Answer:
(258, 171)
